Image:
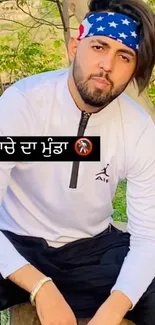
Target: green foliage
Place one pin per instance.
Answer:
(119, 203)
(22, 2)
(5, 317)
(151, 92)
(51, 8)
(28, 57)
(151, 4)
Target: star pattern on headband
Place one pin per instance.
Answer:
(123, 35)
(133, 34)
(99, 18)
(101, 28)
(125, 21)
(115, 25)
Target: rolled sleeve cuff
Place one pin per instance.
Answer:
(10, 268)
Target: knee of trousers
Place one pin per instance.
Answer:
(144, 311)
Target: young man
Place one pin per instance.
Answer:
(56, 217)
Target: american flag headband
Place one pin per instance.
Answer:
(117, 26)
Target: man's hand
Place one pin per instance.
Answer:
(105, 315)
(52, 309)
(112, 311)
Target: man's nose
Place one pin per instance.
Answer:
(107, 63)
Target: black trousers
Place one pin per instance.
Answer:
(84, 271)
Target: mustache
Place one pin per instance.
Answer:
(102, 75)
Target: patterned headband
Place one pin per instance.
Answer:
(114, 25)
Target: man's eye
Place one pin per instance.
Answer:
(124, 58)
(97, 47)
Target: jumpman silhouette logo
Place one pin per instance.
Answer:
(103, 172)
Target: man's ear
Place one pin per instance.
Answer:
(72, 48)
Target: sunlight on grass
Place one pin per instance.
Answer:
(119, 203)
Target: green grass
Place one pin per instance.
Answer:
(119, 203)
(5, 318)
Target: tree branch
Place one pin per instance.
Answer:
(61, 15)
(1, 84)
(39, 21)
(44, 21)
(17, 22)
(17, 48)
(152, 80)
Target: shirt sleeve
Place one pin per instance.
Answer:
(138, 269)
(16, 119)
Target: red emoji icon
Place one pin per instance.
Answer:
(83, 147)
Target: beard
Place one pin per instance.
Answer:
(97, 98)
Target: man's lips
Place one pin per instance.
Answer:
(100, 82)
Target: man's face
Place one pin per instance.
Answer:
(102, 69)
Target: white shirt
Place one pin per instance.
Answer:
(35, 197)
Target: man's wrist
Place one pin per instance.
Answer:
(26, 277)
(120, 303)
(37, 287)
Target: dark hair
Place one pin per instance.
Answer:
(139, 11)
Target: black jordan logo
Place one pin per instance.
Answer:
(103, 176)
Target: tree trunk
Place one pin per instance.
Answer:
(65, 13)
(79, 9)
(67, 34)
